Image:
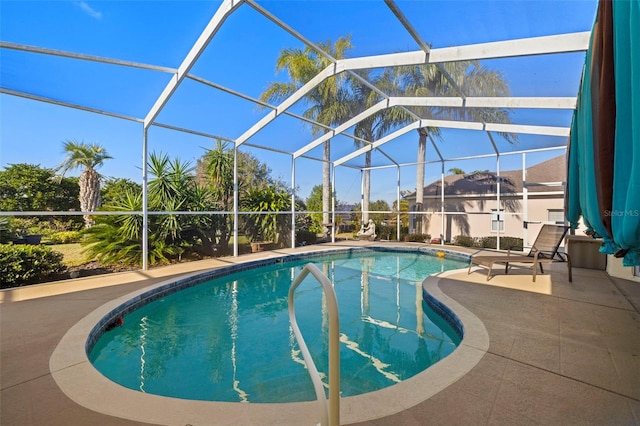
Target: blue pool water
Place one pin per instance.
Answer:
(229, 339)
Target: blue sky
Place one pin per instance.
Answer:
(241, 57)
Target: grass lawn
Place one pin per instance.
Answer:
(72, 253)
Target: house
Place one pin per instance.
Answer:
(471, 204)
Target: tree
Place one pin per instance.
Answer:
(271, 222)
(473, 79)
(117, 238)
(172, 188)
(377, 206)
(404, 209)
(116, 188)
(214, 171)
(456, 171)
(380, 206)
(29, 187)
(327, 102)
(215, 167)
(374, 127)
(314, 203)
(89, 157)
(252, 173)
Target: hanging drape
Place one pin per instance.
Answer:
(625, 217)
(603, 166)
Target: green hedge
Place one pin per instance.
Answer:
(464, 241)
(417, 238)
(514, 243)
(27, 264)
(304, 237)
(390, 232)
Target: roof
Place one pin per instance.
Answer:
(484, 182)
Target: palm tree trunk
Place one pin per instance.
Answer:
(326, 183)
(422, 154)
(90, 199)
(366, 186)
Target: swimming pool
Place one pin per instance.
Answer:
(241, 349)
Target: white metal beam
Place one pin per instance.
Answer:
(522, 102)
(563, 43)
(445, 101)
(465, 125)
(67, 104)
(477, 102)
(381, 141)
(83, 57)
(225, 9)
(435, 146)
(488, 102)
(531, 130)
(452, 124)
(286, 104)
(341, 128)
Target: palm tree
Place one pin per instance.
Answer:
(169, 190)
(473, 79)
(89, 157)
(326, 102)
(363, 96)
(369, 129)
(218, 168)
(218, 164)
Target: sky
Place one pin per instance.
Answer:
(242, 56)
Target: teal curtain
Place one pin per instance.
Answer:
(603, 166)
(625, 214)
(582, 155)
(572, 193)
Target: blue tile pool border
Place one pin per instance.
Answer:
(182, 283)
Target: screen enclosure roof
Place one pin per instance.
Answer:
(201, 68)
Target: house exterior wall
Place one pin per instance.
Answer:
(471, 205)
(474, 217)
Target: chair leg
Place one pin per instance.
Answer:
(506, 268)
(490, 271)
(535, 270)
(569, 267)
(541, 270)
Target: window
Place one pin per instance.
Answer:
(555, 215)
(497, 220)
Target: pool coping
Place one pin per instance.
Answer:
(80, 381)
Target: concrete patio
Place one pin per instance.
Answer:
(559, 352)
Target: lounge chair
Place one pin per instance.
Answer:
(544, 250)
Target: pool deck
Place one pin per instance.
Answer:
(558, 353)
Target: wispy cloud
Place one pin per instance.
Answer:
(89, 10)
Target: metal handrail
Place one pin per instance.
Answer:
(330, 414)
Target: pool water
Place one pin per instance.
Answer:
(229, 339)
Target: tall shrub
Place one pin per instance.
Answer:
(27, 264)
